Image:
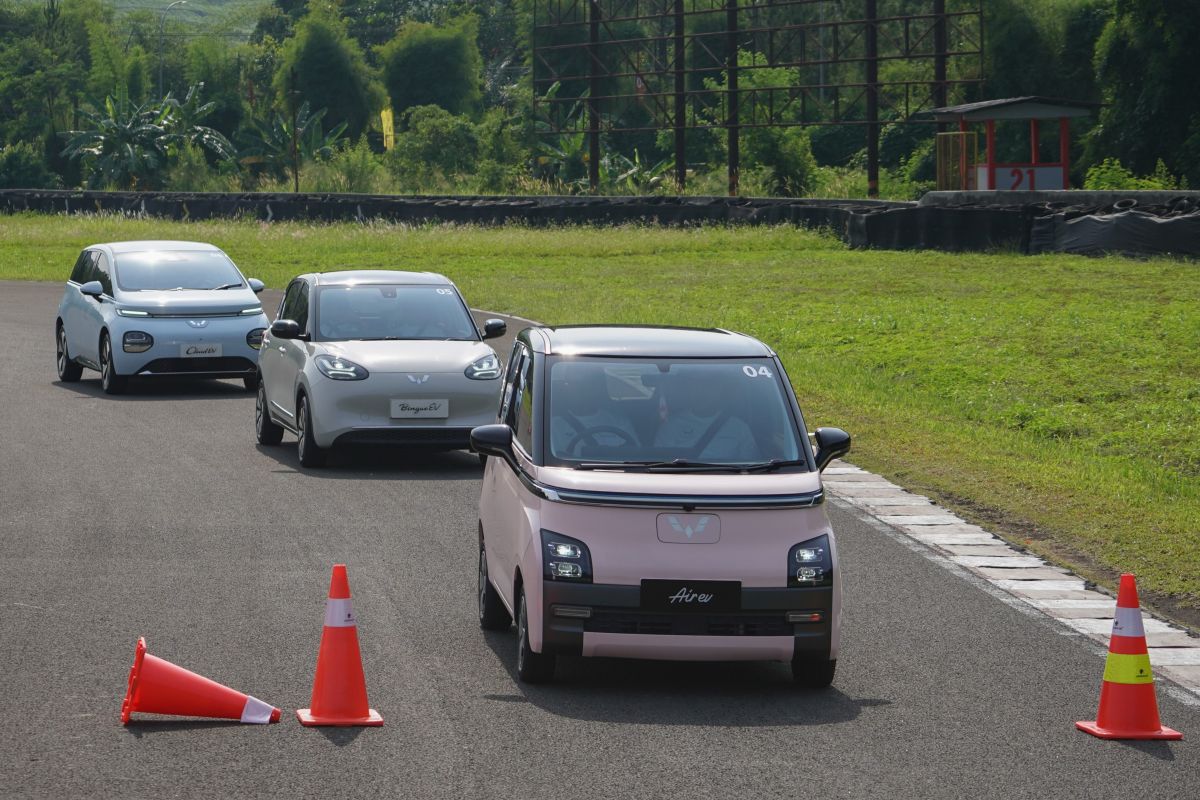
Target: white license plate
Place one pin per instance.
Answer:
(420, 409)
(200, 350)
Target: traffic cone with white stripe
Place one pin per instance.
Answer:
(160, 687)
(1128, 707)
(339, 695)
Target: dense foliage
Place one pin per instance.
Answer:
(299, 86)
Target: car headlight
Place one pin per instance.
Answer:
(484, 369)
(136, 342)
(130, 312)
(340, 369)
(254, 338)
(565, 559)
(251, 311)
(810, 563)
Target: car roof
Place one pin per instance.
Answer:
(647, 341)
(352, 276)
(153, 245)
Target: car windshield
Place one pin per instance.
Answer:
(670, 414)
(174, 270)
(392, 312)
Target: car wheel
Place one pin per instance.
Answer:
(68, 370)
(813, 674)
(493, 616)
(251, 382)
(306, 447)
(110, 381)
(531, 667)
(265, 428)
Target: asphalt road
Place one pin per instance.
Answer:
(156, 514)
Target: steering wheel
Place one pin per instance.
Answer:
(588, 435)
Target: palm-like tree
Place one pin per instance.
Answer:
(128, 145)
(268, 144)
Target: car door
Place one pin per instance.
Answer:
(94, 310)
(279, 376)
(75, 303)
(505, 527)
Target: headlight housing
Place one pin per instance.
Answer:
(486, 368)
(565, 559)
(136, 342)
(810, 564)
(340, 369)
(251, 311)
(130, 312)
(254, 338)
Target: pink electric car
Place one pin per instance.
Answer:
(651, 493)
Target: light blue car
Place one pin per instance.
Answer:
(158, 309)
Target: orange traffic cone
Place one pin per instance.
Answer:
(1128, 707)
(160, 687)
(339, 695)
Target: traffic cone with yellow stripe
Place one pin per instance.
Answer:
(339, 695)
(1128, 707)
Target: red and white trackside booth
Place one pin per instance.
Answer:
(1046, 157)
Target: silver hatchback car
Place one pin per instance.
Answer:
(375, 357)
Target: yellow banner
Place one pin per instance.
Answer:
(389, 130)
(1128, 669)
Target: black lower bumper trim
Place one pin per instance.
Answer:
(448, 438)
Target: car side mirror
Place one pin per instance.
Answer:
(256, 285)
(494, 327)
(831, 443)
(92, 289)
(285, 329)
(494, 440)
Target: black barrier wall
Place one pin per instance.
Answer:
(1132, 222)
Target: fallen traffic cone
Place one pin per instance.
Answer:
(339, 695)
(159, 687)
(1128, 707)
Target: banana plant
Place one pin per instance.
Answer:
(268, 143)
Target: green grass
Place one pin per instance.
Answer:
(1053, 398)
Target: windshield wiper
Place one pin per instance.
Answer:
(227, 286)
(772, 465)
(629, 466)
(379, 339)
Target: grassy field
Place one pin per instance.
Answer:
(1052, 398)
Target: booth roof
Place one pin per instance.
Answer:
(1015, 108)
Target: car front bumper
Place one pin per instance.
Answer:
(178, 347)
(615, 625)
(360, 412)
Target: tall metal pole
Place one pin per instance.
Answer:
(680, 100)
(872, 46)
(593, 92)
(732, 121)
(162, 29)
(939, 57)
(293, 96)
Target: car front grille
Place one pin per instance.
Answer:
(623, 621)
(185, 366)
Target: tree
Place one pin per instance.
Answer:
(268, 144)
(428, 65)
(325, 67)
(210, 65)
(1145, 61)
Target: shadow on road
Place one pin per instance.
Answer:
(139, 728)
(340, 736)
(1159, 749)
(162, 389)
(737, 694)
(362, 463)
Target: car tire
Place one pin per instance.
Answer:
(110, 381)
(311, 455)
(68, 370)
(531, 667)
(813, 674)
(493, 616)
(251, 382)
(265, 429)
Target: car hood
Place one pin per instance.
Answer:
(190, 302)
(413, 355)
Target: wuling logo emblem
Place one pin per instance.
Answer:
(198, 323)
(418, 379)
(688, 530)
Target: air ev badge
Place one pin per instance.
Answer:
(689, 528)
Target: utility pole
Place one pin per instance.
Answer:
(162, 26)
(294, 95)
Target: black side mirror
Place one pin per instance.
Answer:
(494, 327)
(831, 443)
(256, 285)
(494, 440)
(285, 329)
(92, 289)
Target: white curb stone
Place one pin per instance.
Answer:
(1050, 589)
